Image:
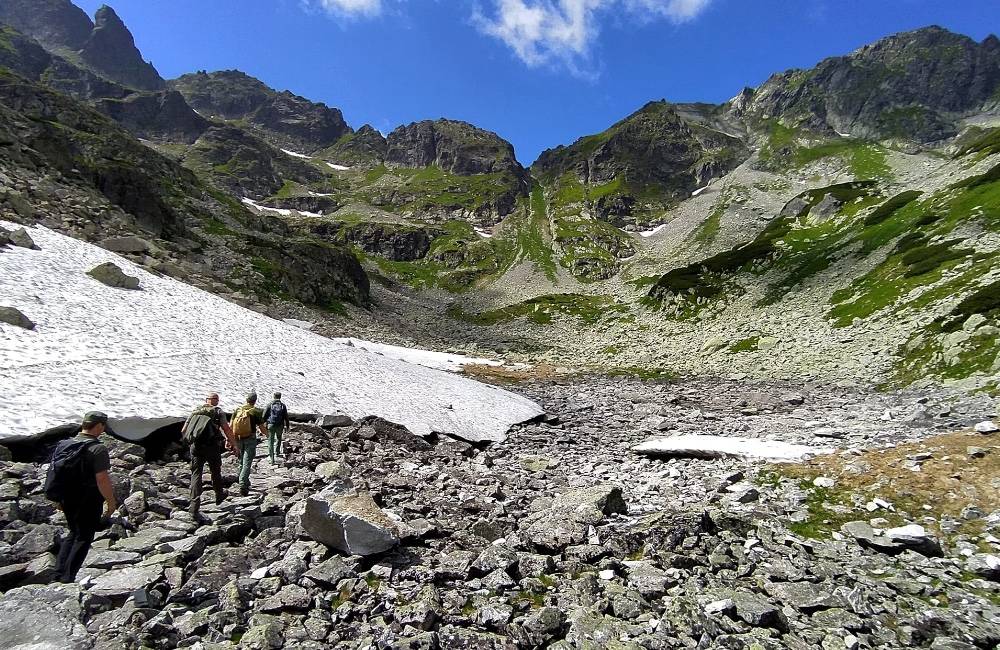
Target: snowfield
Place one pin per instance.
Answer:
(147, 357)
(283, 212)
(426, 358)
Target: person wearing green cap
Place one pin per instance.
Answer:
(81, 482)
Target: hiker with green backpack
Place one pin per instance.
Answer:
(247, 421)
(206, 432)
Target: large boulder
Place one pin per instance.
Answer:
(15, 317)
(43, 617)
(110, 274)
(352, 523)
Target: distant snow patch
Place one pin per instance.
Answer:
(845, 135)
(154, 353)
(426, 358)
(311, 193)
(486, 234)
(650, 233)
(726, 447)
(295, 154)
(283, 212)
(699, 190)
(339, 168)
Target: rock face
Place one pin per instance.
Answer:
(656, 149)
(110, 49)
(887, 89)
(456, 147)
(43, 618)
(366, 146)
(391, 241)
(56, 24)
(351, 523)
(155, 116)
(244, 164)
(316, 273)
(281, 118)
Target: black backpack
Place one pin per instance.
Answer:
(276, 413)
(65, 475)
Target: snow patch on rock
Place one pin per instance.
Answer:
(725, 447)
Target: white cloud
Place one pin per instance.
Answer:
(542, 32)
(348, 8)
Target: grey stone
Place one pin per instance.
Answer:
(351, 523)
(334, 421)
(120, 583)
(566, 521)
(494, 558)
(803, 596)
(289, 598)
(110, 274)
(126, 245)
(15, 317)
(330, 572)
(43, 617)
(20, 237)
(985, 566)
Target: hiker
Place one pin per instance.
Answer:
(206, 432)
(276, 417)
(78, 480)
(247, 421)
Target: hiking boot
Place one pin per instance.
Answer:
(244, 491)
(219, 498)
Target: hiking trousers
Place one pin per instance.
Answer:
(247, 448)
(84, 520)
(274, 432)
(212, 456)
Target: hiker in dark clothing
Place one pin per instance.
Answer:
(207, 432)
(84, 492)
(247, 421)
(276, 417)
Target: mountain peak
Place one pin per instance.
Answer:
(111, 50)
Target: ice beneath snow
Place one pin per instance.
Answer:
(339, 168)
(147, 357)
(428, 358)
(294, 154)
(725, 447)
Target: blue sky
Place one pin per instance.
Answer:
(538, 72)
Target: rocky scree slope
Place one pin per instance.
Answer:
(535, 543)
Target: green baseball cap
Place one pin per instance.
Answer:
(97, 417)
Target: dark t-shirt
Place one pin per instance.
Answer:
(95, 459)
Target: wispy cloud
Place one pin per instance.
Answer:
(347, 8)
(563, 32)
